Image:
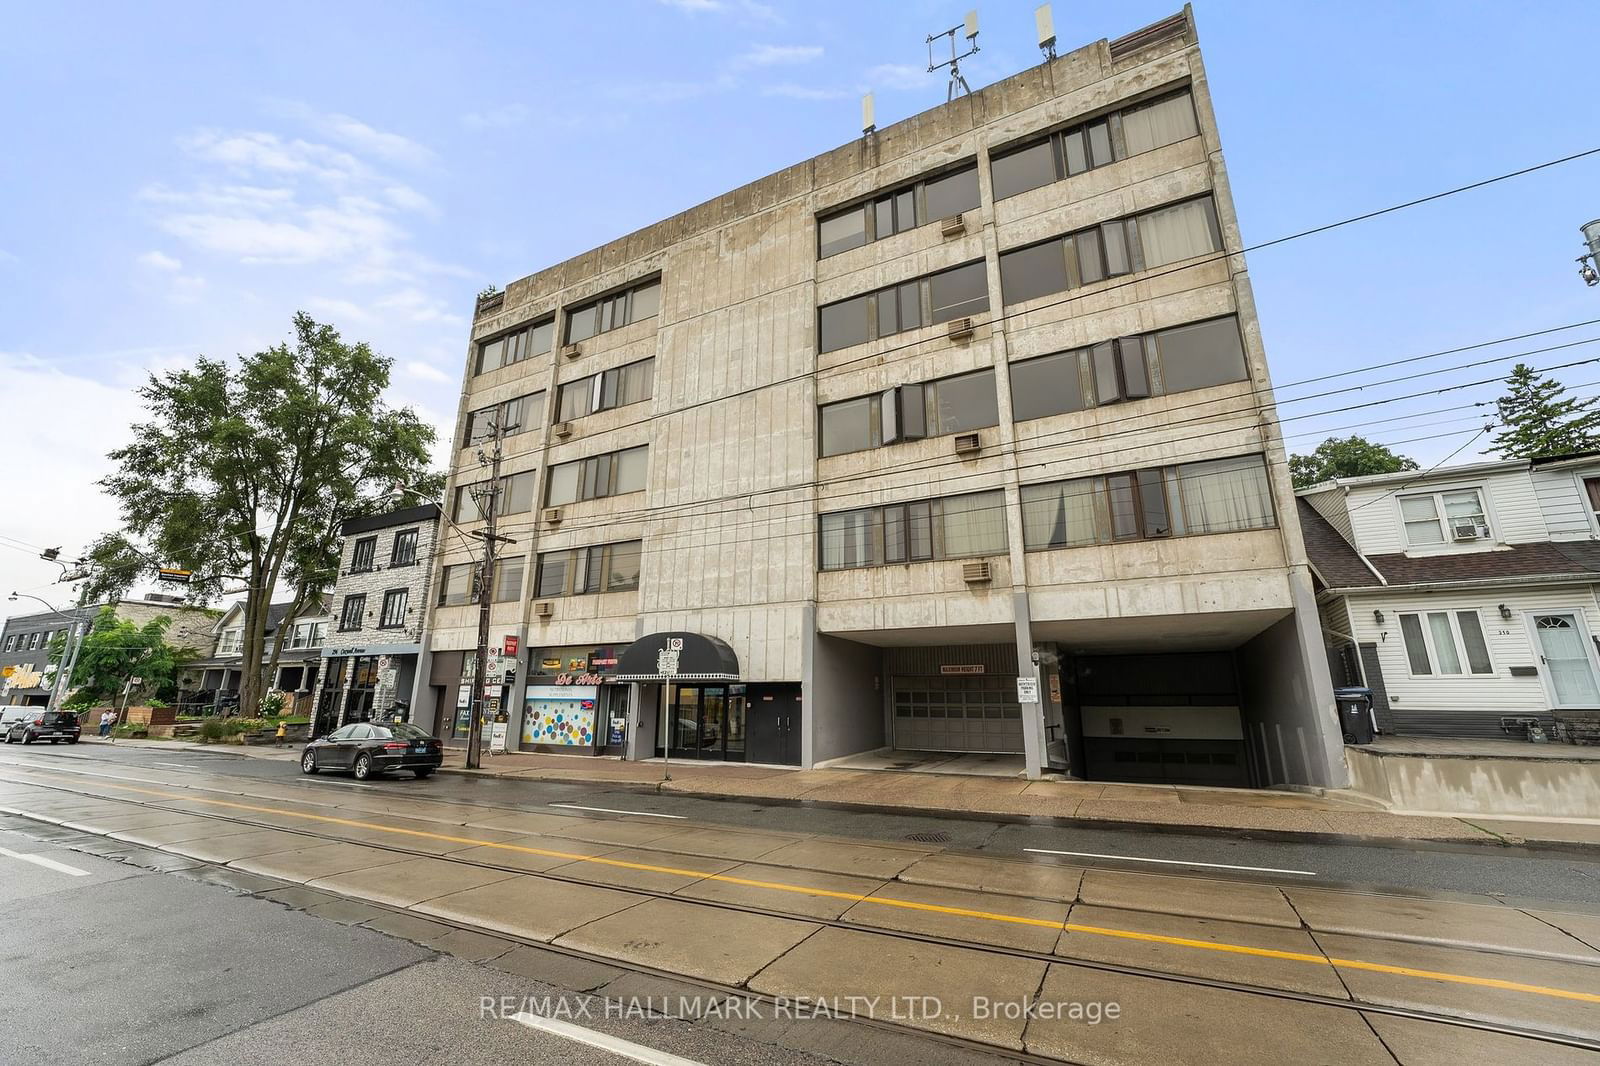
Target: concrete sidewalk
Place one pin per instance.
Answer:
(1336, 813)
(290, 753)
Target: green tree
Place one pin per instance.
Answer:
(243, 474)
(1537, 418)
(115, 650)
(1352, 456)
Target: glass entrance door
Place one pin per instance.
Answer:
(707, 722)
(683, 723)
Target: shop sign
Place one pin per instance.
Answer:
(550, 663)
(1055, 689)
(579, 679)
(970, 668)
(511, 645)
(497, 737)
(617, 726)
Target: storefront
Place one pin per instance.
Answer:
(574, 702)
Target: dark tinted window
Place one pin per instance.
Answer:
(963, 403)
(842, 324)
(1019, 171)
(842, 232)
(1028, 273)
(963, 290)
(1202, 354)
(342, 733)
(1049, 385)
(851, 426)
(953, 193)
(399, 731)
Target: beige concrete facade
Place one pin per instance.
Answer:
(729, 515)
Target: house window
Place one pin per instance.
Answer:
(611, 474)
(898, 210)
(1218, 496)
(910, 412)
(517, 415)
(516, 497)
(1436, 518)
(953, 527)
(601, 392)
(1445, 642)
(581, 571)
(940, 297)
(1111, 249)
(319, 634)
(611, 312)
(1103, 140)
(515, 346)
(1591, 492)
(404, 551)
(393, 615)
(352, 612)
(230, 642)
(362, 557)
(457, 585)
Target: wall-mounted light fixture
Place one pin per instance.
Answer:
(1505, 612)
(1377, 616)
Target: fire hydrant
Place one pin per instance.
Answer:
(283, 733)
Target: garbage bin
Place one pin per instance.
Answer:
(1355, 715)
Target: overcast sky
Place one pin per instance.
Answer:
(180, 178)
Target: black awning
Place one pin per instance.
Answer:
(699, 658)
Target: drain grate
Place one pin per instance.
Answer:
(930, 838)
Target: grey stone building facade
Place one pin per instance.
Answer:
(25, 671)
(956, 439)
(379, 614)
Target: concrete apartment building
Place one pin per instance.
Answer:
(975, 399)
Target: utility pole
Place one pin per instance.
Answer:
(489, 505)
(69, 660)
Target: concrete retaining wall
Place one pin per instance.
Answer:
(1443, 784)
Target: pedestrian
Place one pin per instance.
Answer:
(105, 723)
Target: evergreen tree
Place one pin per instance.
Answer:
(1537, 418)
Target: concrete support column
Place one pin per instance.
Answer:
(419, 682)
(808, 702)
(1032, 713)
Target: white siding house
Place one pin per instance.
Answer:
(1466, 597)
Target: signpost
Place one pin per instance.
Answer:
(667, 666)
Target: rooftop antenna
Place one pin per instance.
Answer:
(971, 28)
(1046, 25)
(869, 116)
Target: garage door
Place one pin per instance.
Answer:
(967, 714)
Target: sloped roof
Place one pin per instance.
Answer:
(1336, 561)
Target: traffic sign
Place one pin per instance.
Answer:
(1027, 690)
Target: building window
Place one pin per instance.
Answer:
(1445, 642)
(352, 612)
(457, 585)
(508, 579)
(1435, 518)
(1171, 360)
(953, 527)
(940, 297)
(319, 634)
(910, 412)
(581, 571)
(1218, 496)
(611, 474)
(516, 497)
(307, 634)
(404, 551)
(1591, 492)
(515, 346)
(619, 309)
(516, 415)
(898, 210)
(362, 557)
(393, 615)
(1111, 249)
(33, 641)
(230, 642)
(1128, 132)
(619, 387)
(11, 641)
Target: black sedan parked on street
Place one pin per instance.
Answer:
(367, 749)
(43, 725)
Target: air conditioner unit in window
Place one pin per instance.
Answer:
(954, 226)
(544, 609)
(1469, 531)
(562, 429)
(552, 516)
(976, 573)
(968, 444)
(571, 351)
(960, 329)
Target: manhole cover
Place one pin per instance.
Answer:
(930, 838)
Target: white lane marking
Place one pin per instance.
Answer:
(604, 1041)
(48, 864)
(173, 765)
(1173, 862)
(613, 810)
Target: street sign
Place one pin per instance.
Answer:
(1027, 690)
(174, 576)
(135, 680)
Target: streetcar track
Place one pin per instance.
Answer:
(835, 923)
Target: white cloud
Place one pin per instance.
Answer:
(408, 199)
(750, 8)
(804, 92)
(355, 134)
(899, 76)
(426, 372)
(496, 118)
(414, 305)
(775, 55)
(8, 259)
(336, 310)
(156, 260)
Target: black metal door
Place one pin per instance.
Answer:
(774, 725)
